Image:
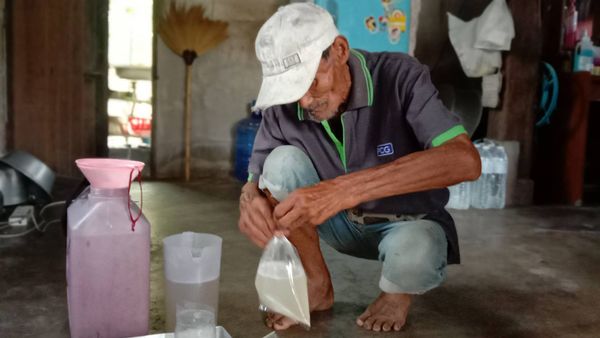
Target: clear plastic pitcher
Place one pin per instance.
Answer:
(192, 271)
(108, 254)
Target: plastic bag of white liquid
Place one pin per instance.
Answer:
(281, 281)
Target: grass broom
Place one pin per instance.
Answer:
(188, 33)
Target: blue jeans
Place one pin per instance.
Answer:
(413, 253)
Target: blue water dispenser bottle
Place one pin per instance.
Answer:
(245, 133)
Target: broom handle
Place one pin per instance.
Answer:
(187, 127)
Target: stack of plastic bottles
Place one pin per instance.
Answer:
(489, 191)
(460, 196)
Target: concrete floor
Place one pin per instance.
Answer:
(528, 272)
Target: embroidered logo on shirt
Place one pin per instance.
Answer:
(385, 149)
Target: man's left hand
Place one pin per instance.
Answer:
(311, 206)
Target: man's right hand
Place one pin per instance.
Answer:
(256, 215)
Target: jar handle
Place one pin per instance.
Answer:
(139, 176)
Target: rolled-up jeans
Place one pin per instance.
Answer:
(413, 252)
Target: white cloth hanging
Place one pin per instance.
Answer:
(478, 42)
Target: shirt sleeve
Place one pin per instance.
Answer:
(430, 120)
(268, 137)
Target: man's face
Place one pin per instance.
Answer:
(329, 89)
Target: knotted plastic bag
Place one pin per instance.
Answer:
(281, 281)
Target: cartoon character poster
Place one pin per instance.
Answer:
(373, 25)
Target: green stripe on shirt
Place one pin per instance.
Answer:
(340, 147)
(448, 135)
(300, 112)
(367, 74)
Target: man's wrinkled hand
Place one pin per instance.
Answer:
(256, 216)
(310, 206)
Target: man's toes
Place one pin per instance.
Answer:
(369, 323)
(272, 319)
(398, 326)
(387, 326)
(360, 321)
(283, 323)
(377, 325)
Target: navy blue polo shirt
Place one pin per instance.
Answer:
(393, 110)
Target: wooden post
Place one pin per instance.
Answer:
(187, 123)
(560, 155)
(515, 118)
(3, 74)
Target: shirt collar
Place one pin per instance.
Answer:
(361, 91)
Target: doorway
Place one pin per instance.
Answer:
(129, 107)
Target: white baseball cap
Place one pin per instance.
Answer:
(289, 47)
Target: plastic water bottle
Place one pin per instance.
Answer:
(489, 191)
(453, 198)
(503, 165)
(244, 141)
(486, 188)
(480, 189)
(498, 175)
(584, 55)
(474, 186)
(492, 182)
(465, 195)
(477, 185)
(459, 196)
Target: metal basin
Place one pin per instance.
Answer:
(12, 185)
(466, 103)
(31, 167)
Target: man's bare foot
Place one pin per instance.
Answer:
(320, 298)
(387, 312)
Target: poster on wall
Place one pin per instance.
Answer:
(372, 25)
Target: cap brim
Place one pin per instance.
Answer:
(289, 86)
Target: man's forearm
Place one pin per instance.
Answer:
(250, 187)
(454, 162)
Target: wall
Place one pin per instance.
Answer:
(225, 80)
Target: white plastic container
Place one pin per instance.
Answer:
(108, 255)
(584, 54)
(192, 270)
